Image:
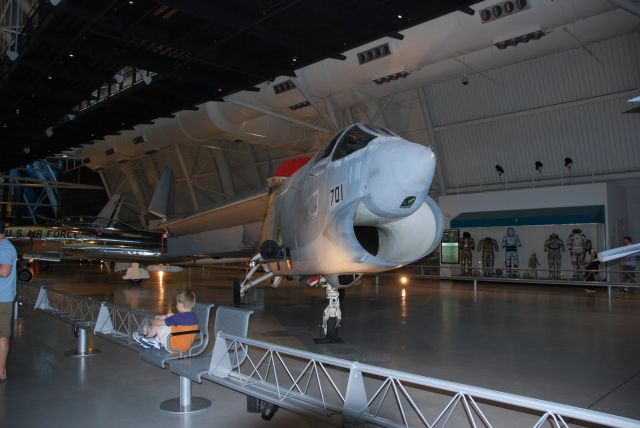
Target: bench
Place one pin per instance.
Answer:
(119, 323)
(159, 357)
(228, 320)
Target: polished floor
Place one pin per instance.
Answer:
(556, 343)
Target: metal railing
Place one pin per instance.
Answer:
(78, 310)
(118, 323)
(600, 279)
(27, 293)
(343, 391)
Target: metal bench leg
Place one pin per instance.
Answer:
(185, 403)
(83, 349)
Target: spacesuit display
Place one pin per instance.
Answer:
(576, 243)
(466, 245)
(510, 243)
(554, 247)
(533, 266)
(488, 247)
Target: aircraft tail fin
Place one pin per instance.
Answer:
(110, 211)
(162, 201)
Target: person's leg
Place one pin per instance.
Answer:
(6, 309)
(4, 352)
(153, 331)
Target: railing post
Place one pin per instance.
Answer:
(355, 400)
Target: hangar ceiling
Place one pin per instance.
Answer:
(87, 69)
(551, 98)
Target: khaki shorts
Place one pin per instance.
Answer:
(6, 310)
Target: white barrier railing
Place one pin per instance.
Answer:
(349, 392)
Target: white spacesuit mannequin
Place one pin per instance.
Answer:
(510, 243)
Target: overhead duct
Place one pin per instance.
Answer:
(213, 120)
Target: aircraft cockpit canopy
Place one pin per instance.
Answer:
(353, 139)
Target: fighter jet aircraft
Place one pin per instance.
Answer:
(94, 238)
(361, 205)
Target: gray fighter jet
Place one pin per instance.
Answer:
(361, 205)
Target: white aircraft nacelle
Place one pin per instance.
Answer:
(360, 206)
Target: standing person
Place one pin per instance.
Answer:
(7, 296)
(592, 264)
(628, 268)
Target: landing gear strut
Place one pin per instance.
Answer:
(257, 262)
(332, 314)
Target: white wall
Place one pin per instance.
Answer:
(633, 213)
(533, 237)
(616, 215)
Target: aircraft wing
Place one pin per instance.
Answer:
(247, 210)
(228, 230)
(619, 252)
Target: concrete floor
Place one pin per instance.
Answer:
(556, 343)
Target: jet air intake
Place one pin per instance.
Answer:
(396, 221)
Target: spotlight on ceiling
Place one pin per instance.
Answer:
(49, 131)
(12, 55)
(539, 166)
(54, 2)
(499, 170)
(118, 77)
(71, 116)
(147, 80)
(568, 162)
(26, 150)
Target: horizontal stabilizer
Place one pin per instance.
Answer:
(162, 201)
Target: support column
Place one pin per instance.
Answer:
(222, 165)
(187, 178)
(128, 170)
(105, 184)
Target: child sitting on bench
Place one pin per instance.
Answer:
(161, 326)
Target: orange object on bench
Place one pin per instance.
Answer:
(182, 337)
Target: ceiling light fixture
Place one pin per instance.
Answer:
(568, 162)
(118, 77)
(539, 166)
(391, 77)
(12, 55)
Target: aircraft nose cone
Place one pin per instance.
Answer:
(400, 174)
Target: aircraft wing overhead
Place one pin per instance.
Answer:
(248, 210)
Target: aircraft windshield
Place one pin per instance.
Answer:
(356, 138)
(327, 151)
(379, 130)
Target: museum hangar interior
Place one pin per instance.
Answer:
(530, 108)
